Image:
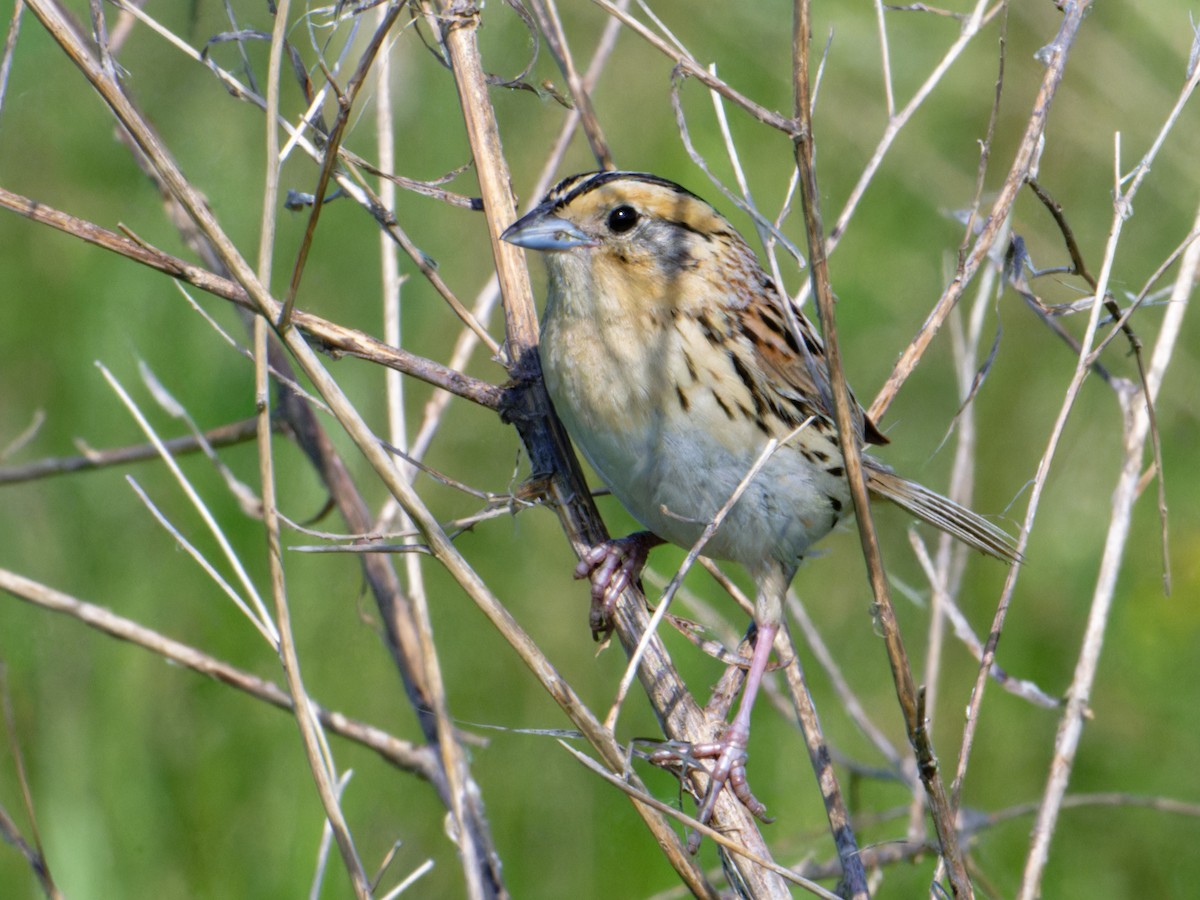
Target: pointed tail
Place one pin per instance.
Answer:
(942, 512)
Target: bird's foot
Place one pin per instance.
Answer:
(730, 769)
(612, 567)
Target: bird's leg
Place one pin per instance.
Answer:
(730, 751)
(612, 567)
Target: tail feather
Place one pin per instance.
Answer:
(942, 512)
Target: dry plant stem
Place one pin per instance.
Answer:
(34, 853)
(328, 335)
(548, 21)
(971, 25)
(1086, 363)
(221, 436)
(1121, 326)
(391, 282)
(898, 851)
(844, 840)
(1054, 56)
(604, 49)
(393, 605)
(176, 186)
(266, 239)
(699, 72)
(479, 856)
(457, 23)
(10, 43)
(945, 575)
(549, 453)
(251, 604)
(321, 862)
(318, 762)
(197, 209)
(885, 60)
(707, 830)
(943, 817)
(387, 220)
(454, 762)
(1137, 427)
(855, 876)
(850, 703)
(301, 705)
(985, 145)
(354, 186)
(402, 754)
(25, 436)
(333, 142)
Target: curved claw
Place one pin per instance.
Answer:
(731, 755)
(730, 769)
(612, 567)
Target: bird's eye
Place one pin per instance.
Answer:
(622, 219)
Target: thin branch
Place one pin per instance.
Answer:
(1122, 205)
(546, 13)
(316, 750)
(328, 335)
(402, 754)
(972, 23)
(539, 430)
(221, 436)
(34, 853)
(695, 824)
(1054, 56)
(333, 142)
(805, 154)
(1137, 427)
(258, 614)
(699, 72)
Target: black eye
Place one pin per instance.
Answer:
(622, 219)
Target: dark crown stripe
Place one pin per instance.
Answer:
(573, 187)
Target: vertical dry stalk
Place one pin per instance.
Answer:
(845, 408)
(549, 451)
(324, 775)
(1136, 414)
(417, 650)
(1054, 56)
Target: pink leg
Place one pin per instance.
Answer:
(730, 751)
(612, 567)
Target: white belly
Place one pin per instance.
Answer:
(674, 469)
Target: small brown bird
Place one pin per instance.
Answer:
(669, 357)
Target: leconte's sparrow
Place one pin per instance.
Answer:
(669, 357)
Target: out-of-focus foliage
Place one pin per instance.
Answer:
(149, 781)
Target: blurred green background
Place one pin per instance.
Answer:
(150, 781)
